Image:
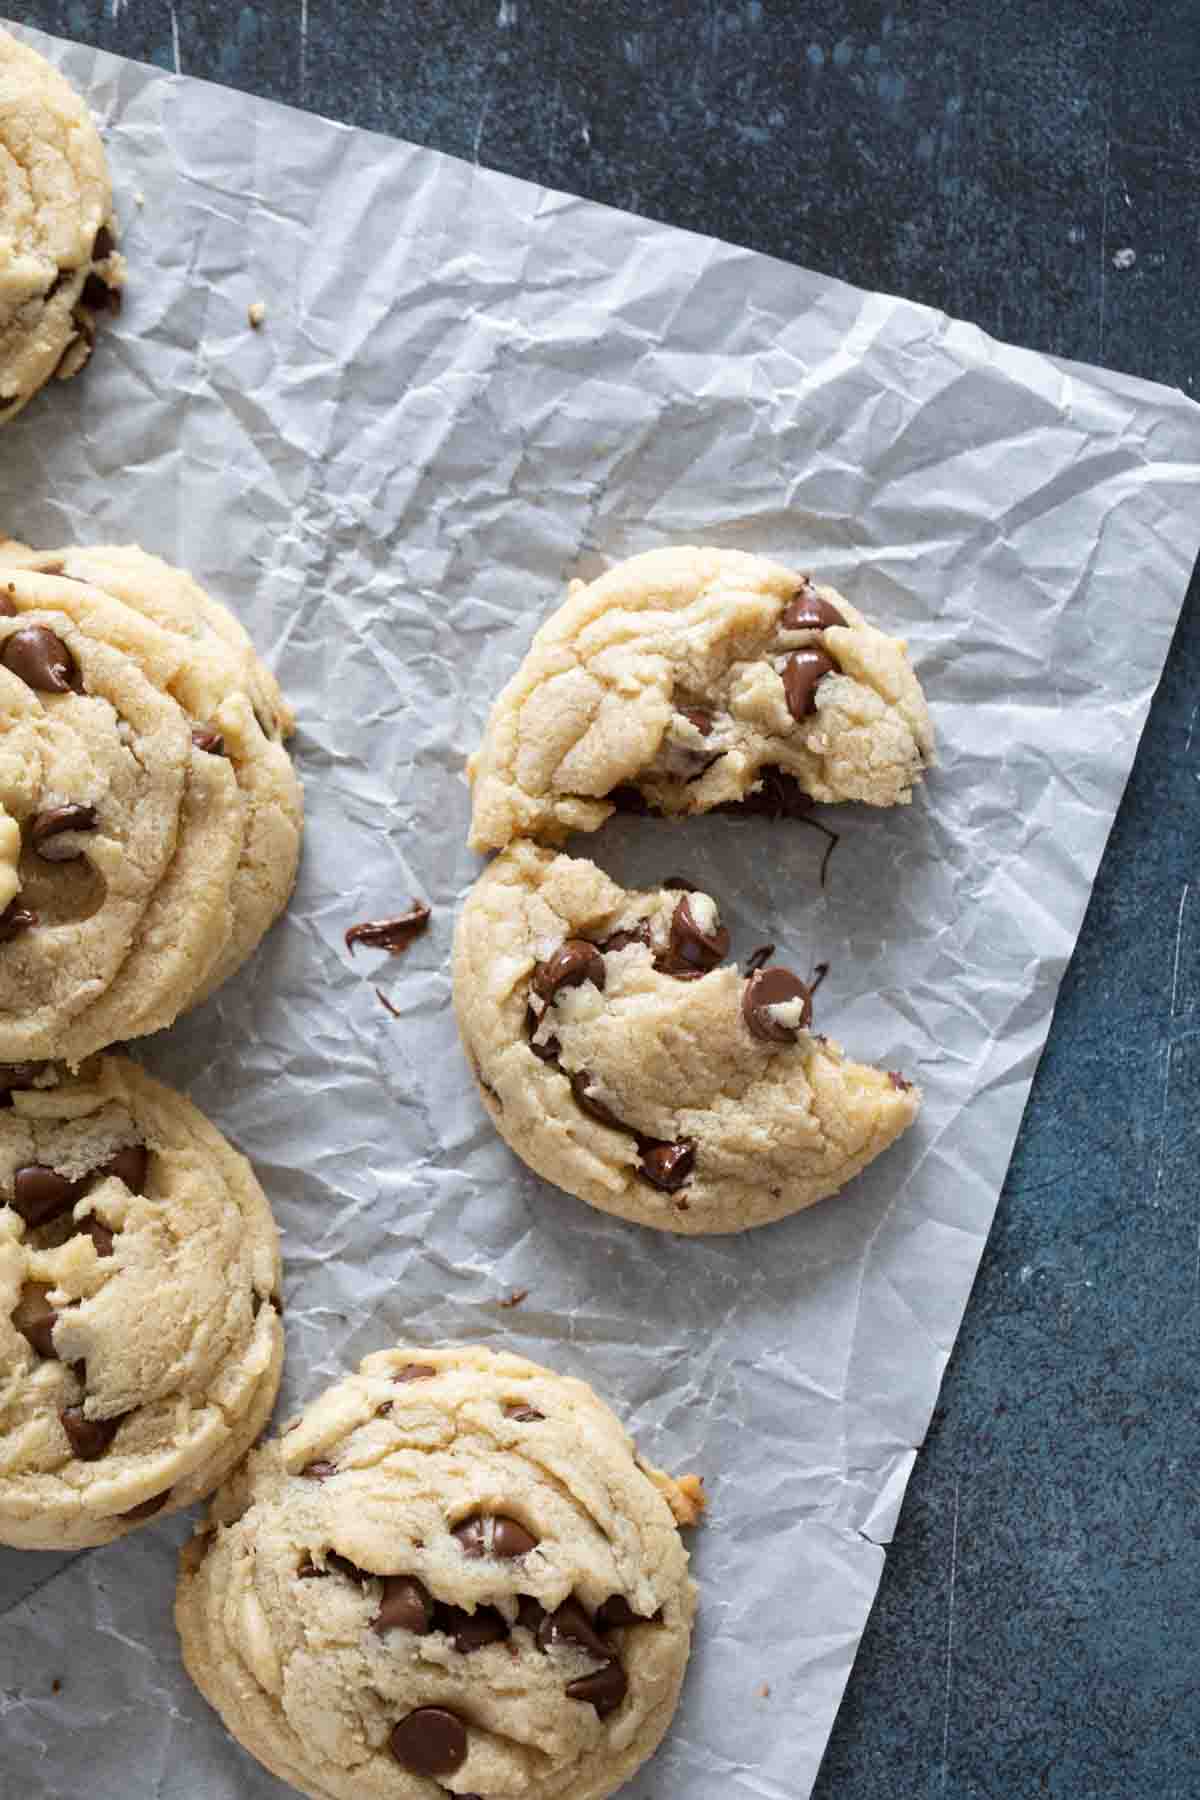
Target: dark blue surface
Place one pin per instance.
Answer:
(1038, 1627)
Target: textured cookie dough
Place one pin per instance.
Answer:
(141, 756)
(59, 267)
(640, 1071)
(694, 679)
(451, 1574)
(140, 1340)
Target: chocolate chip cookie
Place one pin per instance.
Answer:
(140, 1340)
(59, 266)
(452, 1572)
(690, 679)
(624, 1057)
(149, 813)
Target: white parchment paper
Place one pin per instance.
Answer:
(465, 390)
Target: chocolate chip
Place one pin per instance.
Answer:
(547, 1051)
(14, 920)
(604, 1690)
(530, 1612)
(696, 944)
(615, 1613)
(343, 1566)
(206, 739)
(148, 1508)
(621, 940)
(41, 660)
(89, 1438)
(777, 795)
(807, 611)
(319, 1470)
(697, 716)
(46, 828)
(414, 1372)
(35, 1319)
(669, 1166)
(41, 1194)
(406, 1605)
(524, 1415)
(801, 675)
(569, 1624)
(581, 1084)
(775, 986)
(393, 935)
(101, 1236)
(493, 1534)
(129, 1165)
(898, 1082)
(471, 1631)
(102, 245)
(97, 295)
(758, 957)
(431, 1741)
(572, 964)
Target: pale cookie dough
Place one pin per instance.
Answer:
(141, 754)
(623, 1059)
(140, 1339)
(689, 679)
(59, 267)
(450, 1575)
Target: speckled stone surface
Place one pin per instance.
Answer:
(1038, 1627)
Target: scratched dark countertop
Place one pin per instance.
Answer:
(1038, 1626)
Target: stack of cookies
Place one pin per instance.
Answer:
(452, 1573)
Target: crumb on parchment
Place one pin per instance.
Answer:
(256, 312)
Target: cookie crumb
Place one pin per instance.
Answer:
(256, 312)
(139, 199)
(515, 1298)
(764, 1692)
(56, 1686)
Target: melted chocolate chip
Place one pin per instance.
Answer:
(774, 986)
(343, 1566)
(46, 828)
(101, 1236)
(414, 1372)
(699, 717)
(572, 964)
(530, 1612)
(807, 611)
(569, 1624)
(129, 1165)
(319, 1470)
(430, 1741)
(627, 799)
(777, 795)
(693, 950)
(471, 1631)
(35, 1319)
(524, 1415)
(757, 958)
(14, 920)
(98, 296)
(547, 1051)
(581, 1085)
(393, 935)
(41, 660)
(801, 676)
(41, 1194)
(206, 739)
(148, 1508)
(88, 1438)
(493, 1534)
(604, 1690)
(615, 1613)
(102, 246)
(406, 1605)
(669, 1166)
(621, 940)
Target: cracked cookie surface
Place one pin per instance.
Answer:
(690, 679)
(59, 266)
(140, 1339)
(158, 813)
(625, 1060)
(451, 1574)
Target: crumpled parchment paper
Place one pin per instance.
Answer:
(465, 390)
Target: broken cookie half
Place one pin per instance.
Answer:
(625, 1058)
(690, 679)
